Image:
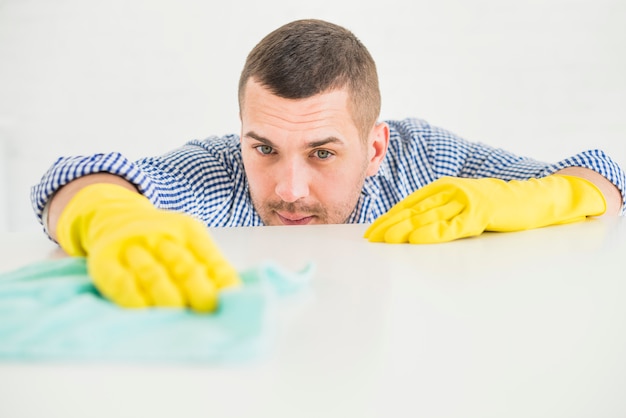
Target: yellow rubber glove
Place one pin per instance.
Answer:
(138, 255)
(451, 208)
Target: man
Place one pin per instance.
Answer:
(311, 151)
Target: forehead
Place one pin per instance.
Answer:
(329, 110)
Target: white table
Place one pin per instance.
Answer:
(529, 324)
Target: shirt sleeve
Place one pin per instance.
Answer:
(66, 169)
(203, 178)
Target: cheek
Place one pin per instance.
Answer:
(338, 182)
(252, 170)
(260, 178)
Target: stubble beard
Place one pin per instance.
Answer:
(323, 215)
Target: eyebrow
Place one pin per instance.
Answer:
(312, 144)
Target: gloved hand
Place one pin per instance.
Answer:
(451, 208)
(138, 255)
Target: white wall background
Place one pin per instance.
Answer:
(544, 78)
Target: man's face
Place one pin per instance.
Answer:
(304, 159)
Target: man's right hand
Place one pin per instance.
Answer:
(138, 255)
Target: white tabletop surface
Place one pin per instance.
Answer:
(528, 324)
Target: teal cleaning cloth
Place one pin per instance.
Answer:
(51, 311)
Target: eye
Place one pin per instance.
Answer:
(323, 154)
(264, 149)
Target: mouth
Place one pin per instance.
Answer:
(287, 218)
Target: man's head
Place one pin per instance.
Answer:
(309, 101)
(309, 57)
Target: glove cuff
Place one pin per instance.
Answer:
(587, 198)
(86, 207)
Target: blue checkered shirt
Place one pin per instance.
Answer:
(206, 178)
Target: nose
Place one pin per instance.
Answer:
(292, 181)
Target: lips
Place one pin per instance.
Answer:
(294, 218)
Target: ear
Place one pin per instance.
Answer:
(377, 147)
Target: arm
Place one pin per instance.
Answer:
(611, 193)
(476, 188)
(137, 254)
(419, 154)
(453, 207)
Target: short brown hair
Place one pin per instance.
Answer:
(308, 57)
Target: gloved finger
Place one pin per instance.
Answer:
(402, 231)
(224, 275)
(152, 277)
(373, 232)
(190, 275)
(376, 231)
(207, 252)
(201, 293)
(396, 212)
(444, 231)
(114, 281)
